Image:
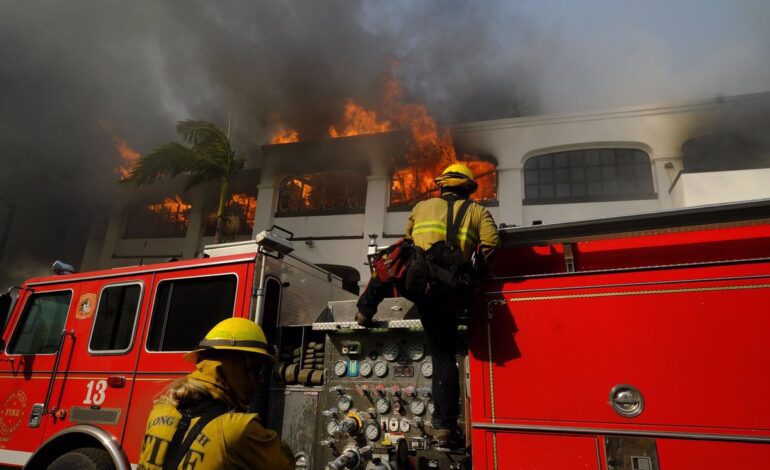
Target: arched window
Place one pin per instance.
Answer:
(587, 176)
(167, 218)
(339, 192)
(409, 185)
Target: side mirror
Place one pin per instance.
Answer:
(5, 310)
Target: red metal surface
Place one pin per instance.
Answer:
(692, 339)
(81, 372)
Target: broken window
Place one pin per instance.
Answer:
(340, 192)
(164, 219)
(412, 184)
(587, 176)
(238, 216)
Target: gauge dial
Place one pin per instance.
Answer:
(415, 351)
(382, 405)
(390, 351)
(331, 428)
(340, 368)
(427, 369)
(366, 369)
(403, 425)
(431, 407)
(372, 431)
(344, 403)
(417, 407)
(380, 369)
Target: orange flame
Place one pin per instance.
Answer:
(174, 208)
(359, 120)
(283, 133)
(127, 154)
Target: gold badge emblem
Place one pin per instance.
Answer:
(86, 306)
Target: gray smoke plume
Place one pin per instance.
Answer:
(75, 74)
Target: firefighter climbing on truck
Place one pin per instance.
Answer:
(455, 240)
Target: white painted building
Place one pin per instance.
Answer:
(550, 168)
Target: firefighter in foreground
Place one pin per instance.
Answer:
(455, 240)
(199, 422)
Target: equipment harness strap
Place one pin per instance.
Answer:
(452, 225)
(176, 452)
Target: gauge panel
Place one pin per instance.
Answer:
(382, 405)
(415, 351)
(372, 431)
(380, 369)
(390, 351)
(344, 403)
(426, 368)
(417, 407)
(340, 368)
(366, 369)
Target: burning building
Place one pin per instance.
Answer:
(334, 192)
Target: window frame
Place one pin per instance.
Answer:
(151, 313)
(652, 195)
(21, 314)
(140, 209)
(117, 352)
(319, 212)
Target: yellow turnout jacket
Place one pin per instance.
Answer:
(427, 225)
(233, 440)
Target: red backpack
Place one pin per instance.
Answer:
(392, 263)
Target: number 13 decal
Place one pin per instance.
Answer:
(95, 394)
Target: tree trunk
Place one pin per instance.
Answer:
(223, 187)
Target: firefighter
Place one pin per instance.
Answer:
(200, 421)
(477, 238)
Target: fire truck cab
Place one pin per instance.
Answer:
(85, 354)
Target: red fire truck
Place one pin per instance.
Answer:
(634, 343)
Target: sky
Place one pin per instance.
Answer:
(74, 75)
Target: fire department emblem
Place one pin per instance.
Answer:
(12, 412)
(86, 306)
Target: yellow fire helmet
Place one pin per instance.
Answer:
(237, 334)
(460, 169)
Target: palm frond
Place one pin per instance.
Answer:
(167, 160)
(204, 136)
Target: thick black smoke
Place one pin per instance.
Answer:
(75, 74)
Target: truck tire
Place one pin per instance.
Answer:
(85, 458)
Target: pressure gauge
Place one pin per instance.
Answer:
(372, 431)
(380, 369)
(340, 368)
(417, 407)
(431, 407)
(331, 428)
(403, 425)
(415, 351)
(427, 369)
(365, 369)
(344, 403)
(390, 351)
(382, 405)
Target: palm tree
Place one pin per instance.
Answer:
(209, 157)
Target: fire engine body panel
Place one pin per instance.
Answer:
(628, 343)
(98, 391)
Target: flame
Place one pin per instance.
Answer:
(359, 120)
(239, 214)
(430, 149)
(127, 154)
(174, 209)
(285, 136)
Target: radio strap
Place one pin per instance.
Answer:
(452, 225)
(177, 448)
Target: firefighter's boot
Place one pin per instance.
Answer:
(447, 439)
(363, 320)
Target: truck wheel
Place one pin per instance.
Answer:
(86, 458)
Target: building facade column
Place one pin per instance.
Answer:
(266, 201)
(192, 239)
(510, 193)
(374, 217)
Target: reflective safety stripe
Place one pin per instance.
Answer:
(14, 457)
(440, 229)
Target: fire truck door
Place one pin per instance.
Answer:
(183, 306)
(102, 369)
(35, 349)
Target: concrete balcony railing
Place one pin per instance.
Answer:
(714, 187)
